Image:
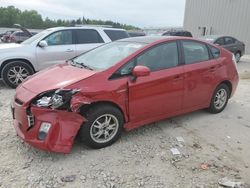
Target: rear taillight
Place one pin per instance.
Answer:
(234, 60)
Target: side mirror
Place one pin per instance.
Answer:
(140, 71)
(42, 44)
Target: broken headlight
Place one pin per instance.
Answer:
(58, 99)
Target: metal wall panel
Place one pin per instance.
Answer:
(220, 17)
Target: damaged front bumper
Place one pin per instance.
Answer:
(61, 134)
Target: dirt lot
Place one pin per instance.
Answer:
(141, 158)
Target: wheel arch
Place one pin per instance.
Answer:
(239, 51)
(227, 83)
(15, 59)
(84, 108)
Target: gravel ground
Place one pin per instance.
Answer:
(214, 147)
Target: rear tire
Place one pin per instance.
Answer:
(220, 99)
(237, 56)
(15, 72)
(103, 127)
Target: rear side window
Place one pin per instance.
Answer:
(195, 52)
(229, 40)
(86, 36)
(116, 34)
(215, 51)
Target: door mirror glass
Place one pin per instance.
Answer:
(140, 71)
(42, 44)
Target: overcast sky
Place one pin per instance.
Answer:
(142, 13)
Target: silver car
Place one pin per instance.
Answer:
(50, 47)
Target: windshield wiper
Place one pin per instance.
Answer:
(81, 65)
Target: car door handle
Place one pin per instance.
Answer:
(69, 50)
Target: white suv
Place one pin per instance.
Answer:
(50, 47)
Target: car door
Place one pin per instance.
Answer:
(87, 39)
(160, 93)
(60, 48)
(199, 72)
(230, 44)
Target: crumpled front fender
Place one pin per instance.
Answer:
(60, 138)
(77, 101)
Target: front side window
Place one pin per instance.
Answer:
(86, 36)
(219, 41)
(60, 38)
(195, 52)
(160, 57)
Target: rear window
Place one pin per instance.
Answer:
(116, 34)
(86, 36)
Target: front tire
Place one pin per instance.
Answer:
(15, 72)
(103, 127)
(220, 99)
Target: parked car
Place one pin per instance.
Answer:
(123, 84)
(50, 47)
(5, 36)
(136, 33)
(6, 32)
(19, 36)
(182, 33)
(230, 43)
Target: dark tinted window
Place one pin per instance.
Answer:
(160, 57)
(215, 51)
(59, 38)
(195, 52)
(85, 36)
(229, 40)
(131, 34)
(220, 41)
(116, 34)
(187, 34)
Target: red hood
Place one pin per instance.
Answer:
(55, 77)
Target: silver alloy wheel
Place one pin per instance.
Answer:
(220, 98)
(104, 128)
(17, 74)
(237, 57)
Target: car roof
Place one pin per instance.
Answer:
(214, 37)
(85, 27)
(147, 39)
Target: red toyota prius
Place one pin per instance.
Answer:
(122, 85)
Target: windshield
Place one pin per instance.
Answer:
(35, 37)
(107, 55)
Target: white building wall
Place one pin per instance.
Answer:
(220, 17)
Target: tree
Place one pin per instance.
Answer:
(33, 20)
